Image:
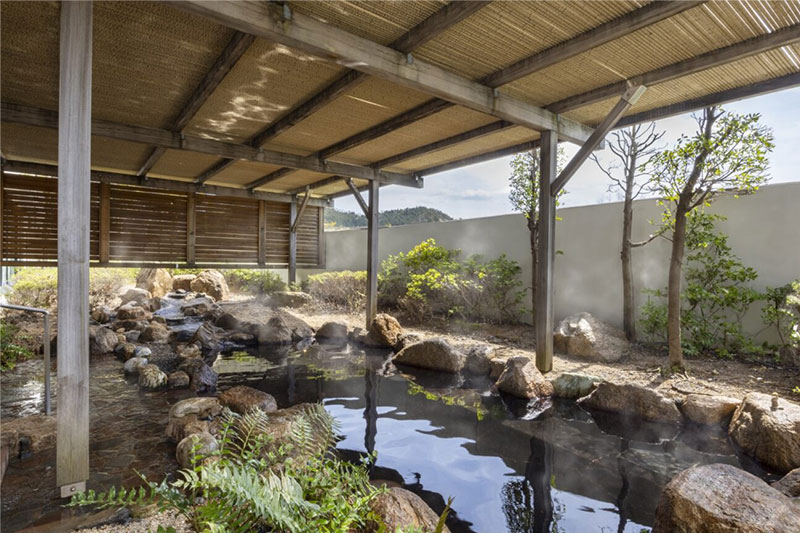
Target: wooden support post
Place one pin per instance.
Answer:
(74, 194)
(321, 238)
(545, 253)
(2, 178)
(292, 242)
(301, 211)
(105, 222)
(372, 253)
(191, 228)
(262, 233)
(358, 197)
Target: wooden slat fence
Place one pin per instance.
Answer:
(149, 227)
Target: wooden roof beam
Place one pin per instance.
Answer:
(280, 24)
(611, 30)
(139, 134)
(718, 98)
(714, 58)
(158, 183)
(316, 185)
(233, 51)
(627, 100)
(446, 17)
(269, 178)
(602, 34)
(476, 133)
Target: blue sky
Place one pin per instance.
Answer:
(482, 190)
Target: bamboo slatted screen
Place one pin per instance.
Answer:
(149, 227)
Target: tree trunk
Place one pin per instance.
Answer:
(628, 304)
(533, 228)
(674, 286)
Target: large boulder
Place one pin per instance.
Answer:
(281, 328)
(197, 306)
(211, 282)
(242, 399)
(137, 296)
(789, 484)
(708, 410)
(102, 340)
(151, 377)
(207, 337)
(182, 282)
(290, 299)
(332, 331)
(636, 400)
(155, 332)
(201, 377)
(195, 447)
(191, 415)
(133, 365)
(720, 498)
(399, 509)
(574, 385)
(102, 314)
(433, 354)
(229, 322)
(28, 434)
(479, 359)
(132, 311)
(768, 428)
(384, 332)
(584, 335)
(156, 280)
(522, 379)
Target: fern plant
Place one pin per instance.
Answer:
(250, 484)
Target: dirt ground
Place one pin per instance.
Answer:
(641, 366)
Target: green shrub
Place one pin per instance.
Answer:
(38, 286)
(716, 297)
(11, 350)
(256, 281)
(782, 312)
(429, 281)
(346, 289)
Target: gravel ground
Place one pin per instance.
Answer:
(146, 524)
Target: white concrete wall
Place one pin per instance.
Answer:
(764, 232)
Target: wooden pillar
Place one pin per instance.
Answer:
(545, 253)
(292, 241)
(105, 222)
(191, 228)
(262, 233)
(372, 252)
(74, 192)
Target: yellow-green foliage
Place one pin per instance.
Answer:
(254, 280)
(38, 286)
(346, 289)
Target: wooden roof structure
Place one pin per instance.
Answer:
(226, 95)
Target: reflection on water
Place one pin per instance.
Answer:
(510, 465)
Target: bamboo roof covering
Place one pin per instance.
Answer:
(150, 58)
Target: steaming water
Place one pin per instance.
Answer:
(509, 465)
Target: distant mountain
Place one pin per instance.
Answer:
(392, 217)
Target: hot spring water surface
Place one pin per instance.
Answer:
(509, 465)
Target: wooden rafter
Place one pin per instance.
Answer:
(428, 29)
(714, 58)
(493, 127)
(602, 34)
(157, 183)
(304, 33)
(234, 50)
(269, 178)
(718, 98)
(43, 118)
(316, 185)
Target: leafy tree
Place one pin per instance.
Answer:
(391, 217)
(524, 197)
(729, 151)
(631, 147)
